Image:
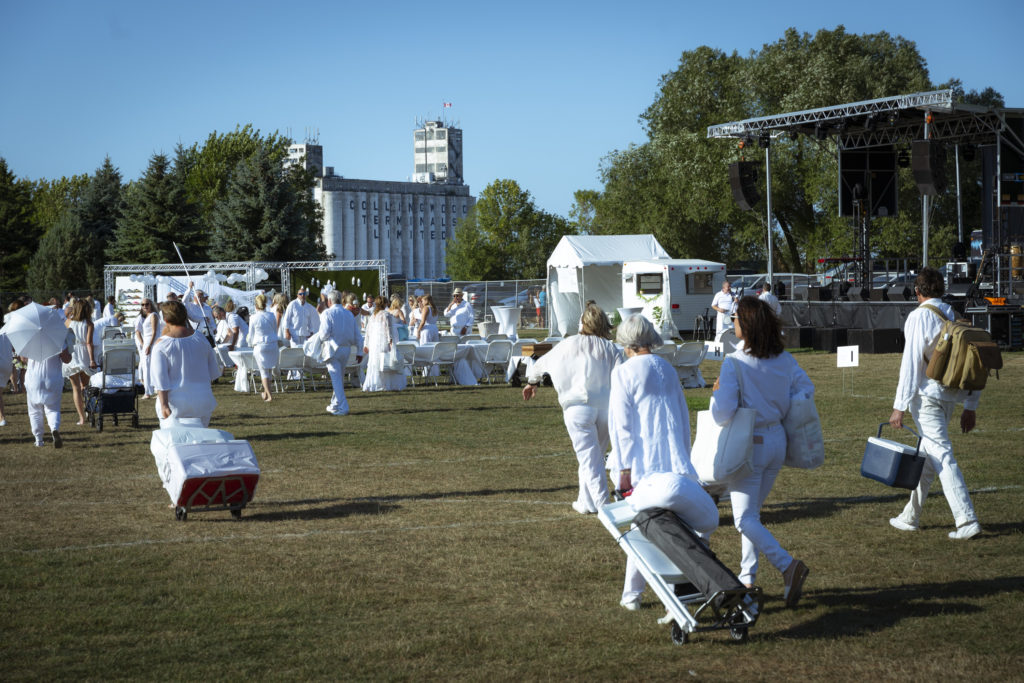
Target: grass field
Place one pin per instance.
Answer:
(428, 535)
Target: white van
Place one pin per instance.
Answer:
(683, 288)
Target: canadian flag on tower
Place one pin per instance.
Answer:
(447, 104)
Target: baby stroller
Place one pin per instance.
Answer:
(115, 394)
(698, 591)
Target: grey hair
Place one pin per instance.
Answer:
(637, 332)
(334, 297)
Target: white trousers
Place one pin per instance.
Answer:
(588, 431)
(147, 380)
(36, 412)
(336, 371)
(748, 495)
(686, 498)
(932, 418)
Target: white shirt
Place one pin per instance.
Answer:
(235, 320)
(768, 386)
(338, 324)
(262, 328)
(772, 301)
(460, 316)
(648, 419)
(108, 310)
(301, 319)
(922, 332)
(581, 370)
(726, 300)
(178, 361)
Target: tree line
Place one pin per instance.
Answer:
(233, 198)
(675, 184)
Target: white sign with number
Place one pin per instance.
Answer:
(847, 356)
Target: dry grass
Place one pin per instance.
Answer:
(429, 535)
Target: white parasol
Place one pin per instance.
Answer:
(36, 332)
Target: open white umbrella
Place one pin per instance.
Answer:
(36, 332)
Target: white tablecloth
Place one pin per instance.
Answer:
(508, 320)
(469, 360)
(244, 361)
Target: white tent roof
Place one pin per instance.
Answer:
(577, 251)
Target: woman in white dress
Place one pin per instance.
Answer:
(770, 377)
(381, 337)
(83, 354)
(413, 317)
(237, 329)
(183, 366)
(152, 328)
(427, 330)
(396, 311)
(650, 432)
(581, 370)
(263, 340)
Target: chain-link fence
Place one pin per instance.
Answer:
(483, 295)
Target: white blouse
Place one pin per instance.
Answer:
(580, 368)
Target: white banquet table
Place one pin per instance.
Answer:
(469, 357)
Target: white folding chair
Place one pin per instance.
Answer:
(290, 359)
(352, 366)
(443, 356)
(495, 337)
(498, 354)
(407, 353)
(469, 337)
(688, 358)
(314, 369)
(667, 351)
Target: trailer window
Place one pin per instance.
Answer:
(700, 283)
(648, 283)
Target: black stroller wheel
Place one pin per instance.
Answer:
(739, 633)
(679, 636)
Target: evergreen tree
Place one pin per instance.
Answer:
(98, 211)
(18, 235)
(59, 265)
(267, 214)
(155, 212)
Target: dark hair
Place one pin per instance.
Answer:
(929, 283)
(762, 334)
(174, 313)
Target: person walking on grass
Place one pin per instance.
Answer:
(44, 384)
(339, 327)
(932, 406)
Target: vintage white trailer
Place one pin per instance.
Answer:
(672, 292)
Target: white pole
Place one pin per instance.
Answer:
(768, 192)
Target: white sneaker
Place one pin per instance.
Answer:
(632, 605)
(966, 531)
(898, 523)
(580, 508)
(40, 444)
(3, 423)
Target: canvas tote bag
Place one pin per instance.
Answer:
(805, 444)
(722, 453)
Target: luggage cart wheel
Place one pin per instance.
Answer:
(739, 633)
(180, 514)
(236, 513)
(679, 636)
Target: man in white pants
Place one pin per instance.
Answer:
(300, 319)
(932, 406)
(337, 325)
(723, 304)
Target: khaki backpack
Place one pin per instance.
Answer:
(964, 355)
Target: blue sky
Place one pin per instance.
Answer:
(543, 90)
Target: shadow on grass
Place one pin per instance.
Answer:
(866, 610)
(327, 509)
(468, 494)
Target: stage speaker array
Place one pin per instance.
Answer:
(868, 176)
(743, 180)
(928, 163)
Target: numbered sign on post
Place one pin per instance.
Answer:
(847, 356)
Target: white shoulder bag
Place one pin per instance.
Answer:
(722, 453)
(805, 444)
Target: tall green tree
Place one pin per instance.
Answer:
(268, 213)
(503, 236)
(19, 235)
(99, 209)
(59, 265)
(155, 213)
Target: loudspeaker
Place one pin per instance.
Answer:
(929, 165)
(900, 293)
(743, 180)
(884, 340)
(868, 175)
(828, 338)
(819, 293)
(880, 294)
(798, 337)
(859, 294)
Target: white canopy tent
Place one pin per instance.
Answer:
(584, 267)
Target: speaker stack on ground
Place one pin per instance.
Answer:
(900, 293)
(928, 162)
(858, 293)
(798, 337)
(880, 294)
(743, 180)
(829, 338)
(883, 340)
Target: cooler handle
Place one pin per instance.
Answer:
(909, 429)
